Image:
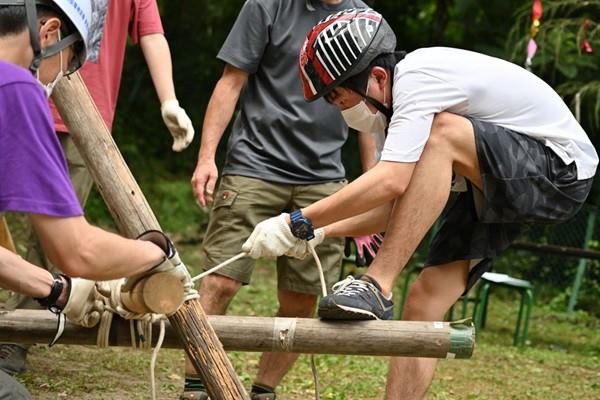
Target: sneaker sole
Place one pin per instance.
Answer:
(345, 313)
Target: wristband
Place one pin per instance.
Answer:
(50, 301)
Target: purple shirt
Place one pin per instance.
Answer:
(33, 171)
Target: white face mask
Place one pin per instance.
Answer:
(359, 117)
(48, 88)
(362, 119)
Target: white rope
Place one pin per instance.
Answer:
(313, 365)
(313, 368)
(321, 275)
(159, 342)
(218, 267)
(140, 325)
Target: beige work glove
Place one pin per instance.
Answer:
(301, 249)
(171, 263)
(178, 123)
(84, 306)
(273, 238)
(270, 238)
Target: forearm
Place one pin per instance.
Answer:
(158, 58)
(376, 187)
(82, 250)
(23, 277)
(367, 223)
(367, 145)
(220, 110)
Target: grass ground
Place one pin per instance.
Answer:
(561, 361)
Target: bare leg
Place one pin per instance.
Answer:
(216, 292)
(430, 297)
(451, 146)
(273, 366)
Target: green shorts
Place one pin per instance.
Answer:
(241, 203)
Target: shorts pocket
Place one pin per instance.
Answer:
(225, 198)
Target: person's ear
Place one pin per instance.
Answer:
(49, 31)
(380, 75)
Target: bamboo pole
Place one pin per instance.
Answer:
(6, 239)
(133, 216)
(294, 335)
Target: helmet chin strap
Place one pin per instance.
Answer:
(34, 35)
(377, 104)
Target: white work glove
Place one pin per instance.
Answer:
(300, 250)
(270, 238)
(84, 306)
(171, 263)
(178, 123)
(273, 238)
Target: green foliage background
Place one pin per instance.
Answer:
(197, 28)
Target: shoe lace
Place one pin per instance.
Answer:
(351, 286)
(6, 351)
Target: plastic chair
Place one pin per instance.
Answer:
(409, 273)
(481, 300)
(525, 288)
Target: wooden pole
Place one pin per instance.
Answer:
(6, 240)
(133, 216)
(294, 335)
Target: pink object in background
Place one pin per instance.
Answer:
(531, 50)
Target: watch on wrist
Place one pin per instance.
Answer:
(301, 227)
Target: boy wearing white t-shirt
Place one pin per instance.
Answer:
(455, 120)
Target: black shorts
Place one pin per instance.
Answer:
(523, 182)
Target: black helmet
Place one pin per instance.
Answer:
(340, 46)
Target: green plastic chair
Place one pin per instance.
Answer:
(490, 280)
(481, 299)
(409, 273)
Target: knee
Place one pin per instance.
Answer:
(416, 306)
(219, 287)
(293, 304)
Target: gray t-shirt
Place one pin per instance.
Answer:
(277, 136)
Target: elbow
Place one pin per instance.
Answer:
(77, 261)
(394, 177)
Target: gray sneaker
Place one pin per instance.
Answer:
(356, 299)
(13, 358)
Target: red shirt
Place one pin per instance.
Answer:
(103, 78)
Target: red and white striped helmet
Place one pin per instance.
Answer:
(340, 46)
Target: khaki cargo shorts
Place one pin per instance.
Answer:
(241, 203)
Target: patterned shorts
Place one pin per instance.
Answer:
(523, 182)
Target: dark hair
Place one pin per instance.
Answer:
(13, 19)
(388, 61)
